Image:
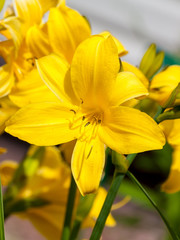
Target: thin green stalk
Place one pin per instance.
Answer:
(2, 236)
(117, 179)
(171, 231)
(69, 211)
(100, 223)
(75, 229)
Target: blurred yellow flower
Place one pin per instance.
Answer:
(172, 133)
(91, 91)
(50, 182)
(164, 83)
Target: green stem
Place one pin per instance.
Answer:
(171, 231)
(75, 229)
(69, 211)
(2, 235)
(100, 223)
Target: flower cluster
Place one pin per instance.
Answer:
(61, 85)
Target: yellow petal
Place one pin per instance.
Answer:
(130, 68)
(7, 169)
(87, 164)
(7, 80)
(9, 11)
(7, 109)
(15, 28)
(47, 4)
(67, 29)
(7, 50)
(172, 184)
(164, 83)
(127, 130)
(38, 42)
(48, 220)
(94, 69)
(54, 72)
(30, 11)
(121, 50)
(31, 90)
(171, 131)
(126, 87)
(43, 124)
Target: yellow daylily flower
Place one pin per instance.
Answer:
(91, 91)
(66, 30)
(40, 41)
(26, 39)
(164, 83)
(51, 182)
(172, 133)
(31, 11)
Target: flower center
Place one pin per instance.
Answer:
(88, 124)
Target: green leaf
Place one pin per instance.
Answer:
(171, 230)
(2, 4)
(2, 236)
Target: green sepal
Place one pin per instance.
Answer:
(148, 59)
(157, 63)
(151, 61)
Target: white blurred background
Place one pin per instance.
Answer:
(136, 23)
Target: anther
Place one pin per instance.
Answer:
(72, 110)
(86, 124)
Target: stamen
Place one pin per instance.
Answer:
(89, 124)
(86, 124)
(72, 110)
